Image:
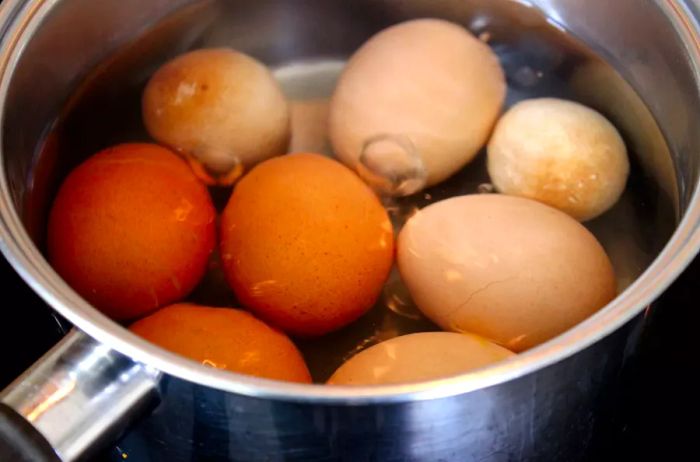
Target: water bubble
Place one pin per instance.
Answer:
(398, 300)
(486, 188)
(526, 77)
(485, 36)
(479, 24)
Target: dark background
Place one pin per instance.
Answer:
(659, 404)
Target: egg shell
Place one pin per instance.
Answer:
(510, 269)
(309, 126)
(430, 84)
(224, 338)
(561, 153)
(305, 244)
(218, 106)
(418, 357)
(131, 229)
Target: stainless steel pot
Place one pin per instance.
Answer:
(543, 405)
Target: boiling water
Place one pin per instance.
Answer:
(539, 60)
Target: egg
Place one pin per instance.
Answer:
(305, 244)
(309, 125)
(561, 153)
(131, 229)
(221, 108)
(224, 338)
(415, 104)
(510, 269)
(418, 357)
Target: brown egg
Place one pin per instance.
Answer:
(510, 269)
(560, 153)
(418, 357)
(416, 103)
(220, 108)
(305, 244)
(226, 339)
(131, 229)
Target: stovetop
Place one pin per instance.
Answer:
(658, 409)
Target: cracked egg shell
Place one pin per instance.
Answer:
(510, 269)
(427, 85)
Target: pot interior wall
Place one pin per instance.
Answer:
(77, 89)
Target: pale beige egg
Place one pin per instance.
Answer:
(418, 357)
(511, 269)
(560, 153)
(416, 103)
(309, 126)
(218, 107)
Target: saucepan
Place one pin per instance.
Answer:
(71, 74)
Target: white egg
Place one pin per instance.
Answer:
(418, 357)
(510, 269)
(415, 104)
(561, 153)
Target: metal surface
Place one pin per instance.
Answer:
(542, 404)
(80, 392)
(560, 413)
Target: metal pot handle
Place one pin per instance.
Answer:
(20, 441)
(77, 398)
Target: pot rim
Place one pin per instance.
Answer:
(20, 18)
